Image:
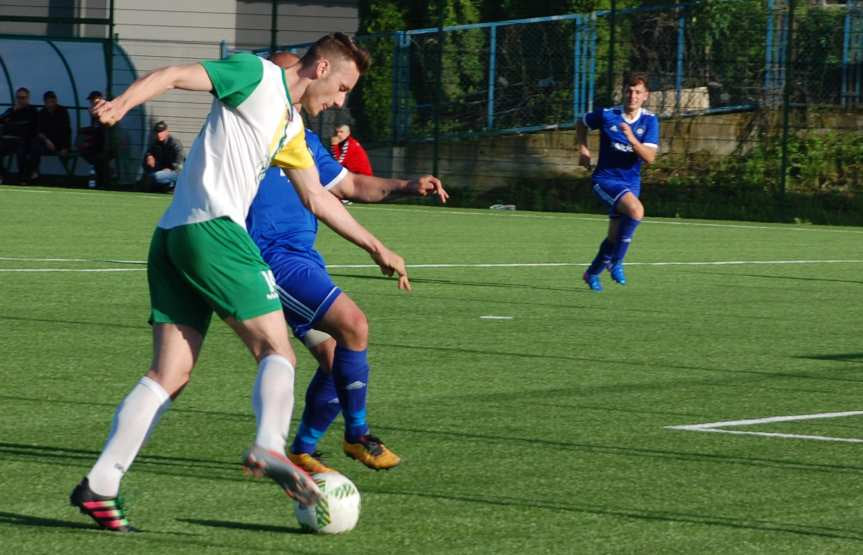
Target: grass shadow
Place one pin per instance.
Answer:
(27, 520)
(244, 526)
(651, 515)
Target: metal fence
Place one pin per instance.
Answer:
(524, 75)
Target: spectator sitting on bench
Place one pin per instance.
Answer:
(162, 160)
(91, 143)
(54, 132)
(19, 127)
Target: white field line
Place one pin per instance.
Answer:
(495, 214)
(489, 317)
(720, 427)
(509, 214)
(421, 266)
(104, 270)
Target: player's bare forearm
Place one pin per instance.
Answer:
(190, 77)
(367, 188)
(583, 151)
(646, 153)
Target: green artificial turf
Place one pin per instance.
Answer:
(543, 430)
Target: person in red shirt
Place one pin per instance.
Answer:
(349, 152)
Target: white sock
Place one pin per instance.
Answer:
(273, 401)
(131, 426)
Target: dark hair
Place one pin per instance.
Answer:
(636, 78)
(22, 89)
(49, 94)
(338, 45)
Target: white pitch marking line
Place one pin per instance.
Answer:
(72, 270)
(719, 427)
(28, 259)
(476, 212)
(450, 212)
(559, 264)
(430, 266)
(495, 317)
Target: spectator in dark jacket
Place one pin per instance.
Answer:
(19, 128)
(54, 131)
(91, 142)
(163, 159)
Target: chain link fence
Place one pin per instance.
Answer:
(755, 96)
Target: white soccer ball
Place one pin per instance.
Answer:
(338, 510)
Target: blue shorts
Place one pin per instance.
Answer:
(305, 289)
(609, 192)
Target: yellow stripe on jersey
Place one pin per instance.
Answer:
(279, 134)
(294, 154)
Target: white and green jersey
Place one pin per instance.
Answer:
(252, 119)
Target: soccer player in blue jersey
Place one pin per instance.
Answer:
(629, 137)
(330, 324)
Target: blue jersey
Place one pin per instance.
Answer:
(278, 219)
(617, 160)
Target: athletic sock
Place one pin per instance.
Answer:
(351, 375)
(603, 257)
(322, 407)
(273, 401)
(625, 233)
(132, 423)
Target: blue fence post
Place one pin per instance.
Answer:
(681, 49)
(492, 75)
(592, 73)
(396, 89)
(576, 68)
(768, 51)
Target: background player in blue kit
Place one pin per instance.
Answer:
(629, 136)
(285, 232)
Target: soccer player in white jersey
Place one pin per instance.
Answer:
(629, 136)
(202, 259)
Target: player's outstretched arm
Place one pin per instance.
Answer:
(367, 188)
(330, 210)
(190, 77)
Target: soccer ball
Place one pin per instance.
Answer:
(338, 510)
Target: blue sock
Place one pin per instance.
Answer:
(351, 374)
(624, 238)
(322, 407)
(603, 257)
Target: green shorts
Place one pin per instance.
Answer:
(195, 269)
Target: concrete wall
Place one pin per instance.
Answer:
(508, 159)
(166, 32)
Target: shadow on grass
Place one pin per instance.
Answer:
(534, 443)
(651, 515)
(27, 520)
(614, 362)
(791, 278)
(463, 283)
(856, 358)
(244, 526)
(72, 322)
(174, 410)
(169, 466)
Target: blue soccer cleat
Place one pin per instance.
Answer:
(592, 281)
(617, 274)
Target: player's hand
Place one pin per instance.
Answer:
(430, 185)
(627, 130)
(390, 264)
(584, 157)
(150, 161)
(108, 112)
